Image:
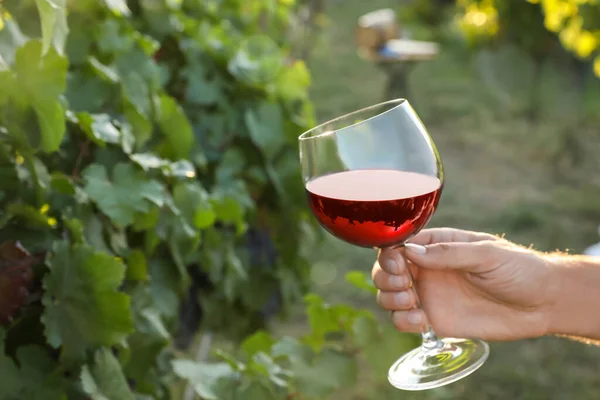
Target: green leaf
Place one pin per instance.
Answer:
(231, 166)
(262, 364)
(200, 90)
(194, 203)
(265, 124)
(104, 380)
(149, 161)
(52, 124)
(6, 82)
(107, 73)
(11, 38)
(256, 390)
(110, 38)
(93, 229)
(136, 91)
(10, 383)
(42, 80)
(257, 60)
(178, 169)
(80, 85)
(150, 338)
(326, 319)
(165, 287)
(36, 378)
(360, 280)
(140, 124)
(231, 202)
(76, 229)
(141, 65)
(118, 7)
(137, 266)
(365, 329)
(295, 351)
(205, 377)
(261, 341)
(83, 307)
(293, 82)
(62, 183)
(381, 353)
(99, 128)
(175, 126)
(329, 371)
(146, 221)
(125, 195)
(118, 241)
(53, 16)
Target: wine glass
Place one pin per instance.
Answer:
(374, 179)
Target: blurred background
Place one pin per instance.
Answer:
(515, 112)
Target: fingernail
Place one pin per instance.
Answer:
(416, 248)
(393, 266)
(398, 282)
(415, 317)
(402, 299)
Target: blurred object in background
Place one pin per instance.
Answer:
(382, 40)
(593, 250)
(376, 28)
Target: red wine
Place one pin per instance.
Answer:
(374, 208)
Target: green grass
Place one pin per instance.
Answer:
(503, 175)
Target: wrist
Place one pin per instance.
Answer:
(574, 303)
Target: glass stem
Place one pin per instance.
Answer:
(430, 339)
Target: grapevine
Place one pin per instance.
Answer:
(150, 190)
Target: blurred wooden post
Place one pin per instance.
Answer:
(378, 39)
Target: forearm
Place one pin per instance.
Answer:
(575, 311)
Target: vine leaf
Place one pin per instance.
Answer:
(15, 278)
(208, 378)
(118, 7)
(361, 281)
(178, 169)
(104, 380)
(41, 80)
(99, 128)
(35, 377)
(265, 124)
(327, 372)
(194, 203)
(175, 126)
(125, 195)
(83, 307)
(53, 17)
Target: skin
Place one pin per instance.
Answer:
(474, 284)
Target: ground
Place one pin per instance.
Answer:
(504, 174)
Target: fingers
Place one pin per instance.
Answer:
(397, 301)
(409, 321)
(392, 261)
(387, 282)
(450, 235)
(477, 257)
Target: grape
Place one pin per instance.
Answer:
(15, 279)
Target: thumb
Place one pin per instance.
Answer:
(477, 257)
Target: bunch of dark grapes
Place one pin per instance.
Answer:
(262, 254)
(16, 276)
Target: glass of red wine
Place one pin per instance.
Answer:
(374, 179)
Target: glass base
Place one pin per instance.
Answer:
(422, 368)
